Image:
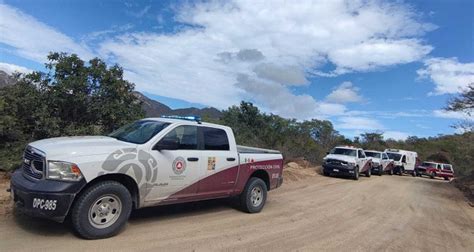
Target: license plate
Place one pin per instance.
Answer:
(336, 170)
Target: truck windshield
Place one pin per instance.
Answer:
(394, 156)
(373, 154)
(427, 164)
(346, 152)
(139, 132)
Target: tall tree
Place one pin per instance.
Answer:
(464, 103)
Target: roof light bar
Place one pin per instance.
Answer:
(188, 118)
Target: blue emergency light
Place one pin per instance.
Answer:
(188, 118)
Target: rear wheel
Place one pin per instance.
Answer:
(446, 178)
(432, 175)
(254, 196)
(102, 210)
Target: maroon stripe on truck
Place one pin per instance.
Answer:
(228, 182)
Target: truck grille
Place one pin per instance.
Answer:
(336, 162)
(33, 163)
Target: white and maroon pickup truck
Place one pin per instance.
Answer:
(347, 160)
(98, 180)
(380, 162)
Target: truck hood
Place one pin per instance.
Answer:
(79, 146)
(341, 158)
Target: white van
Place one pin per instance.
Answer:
(404, 161)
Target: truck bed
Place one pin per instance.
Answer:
(247, 149)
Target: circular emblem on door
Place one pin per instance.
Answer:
(179, 165)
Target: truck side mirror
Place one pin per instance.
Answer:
(166, 144)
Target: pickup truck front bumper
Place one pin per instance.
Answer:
(338, 169)
(43, 198)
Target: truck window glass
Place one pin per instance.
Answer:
(394, 156)
(185, 136)
(215, 139)
(373, 154)
(343, 151)
(139, 132)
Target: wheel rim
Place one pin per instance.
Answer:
(256, 196)
(105, 211)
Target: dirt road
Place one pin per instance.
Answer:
(314, 214)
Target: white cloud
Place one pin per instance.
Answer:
(448, 74)
(396, 135)
(275, 44)
(374, 54)
(284, 103)
(344, 93)
(358, 123)
(32, 39)
(453, 115)
(11, 68)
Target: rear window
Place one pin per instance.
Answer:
(215, 139)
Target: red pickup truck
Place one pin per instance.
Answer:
(434, 169)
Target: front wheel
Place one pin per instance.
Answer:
(400, 171)
(432, 175)
(390, 172)
(254, 196)
(356, 173)
(368, 173)
(102, 210)
(380, 171)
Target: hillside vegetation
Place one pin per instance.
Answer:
(90, 98)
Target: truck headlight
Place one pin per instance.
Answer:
(351, 164)
(63, 171)
(376, 163)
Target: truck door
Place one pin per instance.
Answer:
(179, 164)
(362, 160)
(220, 163)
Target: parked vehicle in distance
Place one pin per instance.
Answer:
(98, 180)
(404, 161)
(380, 162)
(434, 169)
(347, 160)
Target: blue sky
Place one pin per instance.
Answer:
(365, 65)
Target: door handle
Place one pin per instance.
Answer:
(193, 159)
(230, 159)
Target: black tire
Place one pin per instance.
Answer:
(92, 196)
(432, 175)
(247, 201)
(446, 178)
(356, 173)
(368, 173)
(325, 173)
(413, 174)
(390, 172)
(380, 170)
(400, 171)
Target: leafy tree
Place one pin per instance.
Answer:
(72, 98)
(465, 104)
